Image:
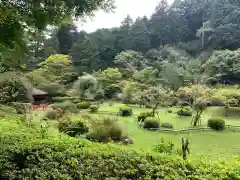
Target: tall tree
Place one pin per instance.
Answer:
(67, 35)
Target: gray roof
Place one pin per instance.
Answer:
(38, 92)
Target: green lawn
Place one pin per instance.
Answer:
(207, 143)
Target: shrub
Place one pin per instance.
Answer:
(184, 112)
(167, 148)
(67, 106)
(169, 111)
(105, 130)
(151, 123)
(83, 105)
(167, 125)
(217, 124)
(73, 129)
(125, 111)
(143, 116)
(51, 114)
(93, 108)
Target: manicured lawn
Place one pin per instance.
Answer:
(207, 143)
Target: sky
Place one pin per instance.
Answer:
(135, 8)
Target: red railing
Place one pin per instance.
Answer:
(39, 107)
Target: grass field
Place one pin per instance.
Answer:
(206, 143)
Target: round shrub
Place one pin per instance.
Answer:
(51, 114)
(151, 123)
(144, 115)
(169, 111)
(83, 105)
(184, 112)
(217, 124)
(125, 111)
(93, 108)
(167, 125)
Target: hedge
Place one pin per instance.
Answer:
(79, 159)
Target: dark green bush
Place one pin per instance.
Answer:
(217, 124)
(143, 116)
(151, 123)
(51, 114)
(167, 125)
(105, 130)
(184, 112)
(93, 108)
(125, 111)
(169, 111)
(83, 105)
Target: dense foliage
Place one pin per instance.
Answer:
(25, 154)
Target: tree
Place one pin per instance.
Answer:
(85, 55)
(57, 64)
(17, 16)
(110, 81)
(13, 89)
(223, 67)
(67, 35)
(198, 97)
(86, 86)
(154, 97)
(139, 35)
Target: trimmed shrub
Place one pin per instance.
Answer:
(167, 125)
(93, 108)
(83, 105)
(51, 114)
(144, 115)
(169, 111)
(151, 123)
(125, 111)
(105, 130)
(217, 124)
(184, 112)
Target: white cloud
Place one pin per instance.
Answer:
(134, 8)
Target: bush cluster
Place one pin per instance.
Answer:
(107, 129)
(167, 125)
(143, 116)
(94, 108)
(216, 124)
(125, 111)
(83, 105)
(73, 129)
(163, 147)
(184, 112)
(23, 158)
(51, 114)
(151, 123)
